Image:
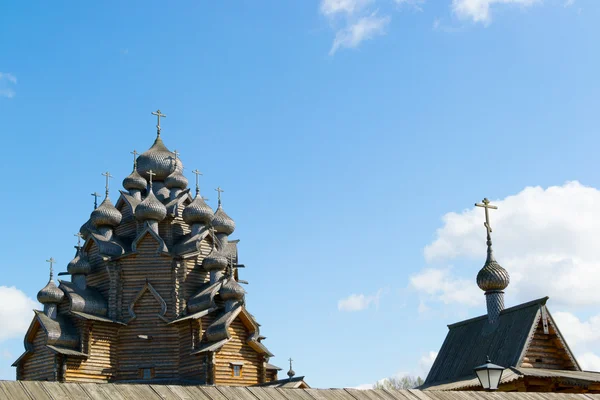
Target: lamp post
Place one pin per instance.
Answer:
(489, 375)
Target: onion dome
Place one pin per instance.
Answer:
(86, 229)
(492, 276)
(106, 214)
(215, 261)
(79, 265)
(231, 290)
(291, 372)
(223, 222)
(150, 208)
(50, 294)
(158, 159)
(176, 180)
(198, 212)
(135, 181)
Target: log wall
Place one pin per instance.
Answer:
(40, 365)
(237, 350)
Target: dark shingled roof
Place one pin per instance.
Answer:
(469, 342)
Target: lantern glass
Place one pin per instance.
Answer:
(489, 375)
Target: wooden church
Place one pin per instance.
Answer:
(524, 339)
(154, 294)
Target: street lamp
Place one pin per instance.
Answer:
(489, 375)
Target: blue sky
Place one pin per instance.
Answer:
(305, 112)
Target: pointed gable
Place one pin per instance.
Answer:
(469, 342)
(547, 348)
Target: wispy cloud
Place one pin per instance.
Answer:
(359, 302)
(569, 3)
(348, 7)
(6, 82)
(480, 10)
(353, 21)
(365, 28)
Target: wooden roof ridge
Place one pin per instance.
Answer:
(540, 302)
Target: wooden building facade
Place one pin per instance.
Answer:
(154, 294)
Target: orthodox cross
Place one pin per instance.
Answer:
(176, 158)
(96, 195)
(197, 173)
(51, 261)
(79, 237)
(108, 176)
(151, 174)
(158, 115)
(135, 153)
(219, 190)
(486, 204)
(290, 360)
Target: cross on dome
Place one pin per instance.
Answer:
(197, 173)
(219, 190)
(485, 203)
(108, 176)
(151, 174)
(51, 260)
(96, 195)
(79, 237)
(158, 115)
(135, 154)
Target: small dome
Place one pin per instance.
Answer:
(198, 212)
(158, 159)
(291, 373)
(79, 265)
(492, 276)
(50, 294)
(106, 214)
(176, 180)
(222, 222)
(135, 181)
(231, 290)
(150, 208)
(215, 261)
(86, 228)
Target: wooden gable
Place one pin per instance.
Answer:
(547, 348)
(237, 352)
(39, 363)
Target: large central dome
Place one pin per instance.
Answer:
(160, 160)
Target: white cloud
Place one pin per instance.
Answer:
(549, 234)
(333, 7)
(6, 80)
(569, 3)
(7, 355)
(364, 386)
(359, 302)
(479, 10)
(426, 362)
(15, 307)
(364, 29)
(8, 77)
(589, 362)
(440, 285)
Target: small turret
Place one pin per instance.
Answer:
(176, 182)
(106, 216)
(222, 223)
(50, 295)
(151, 210)
(492, 278)
(79, 267)
(135, 183)
(197, 213)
